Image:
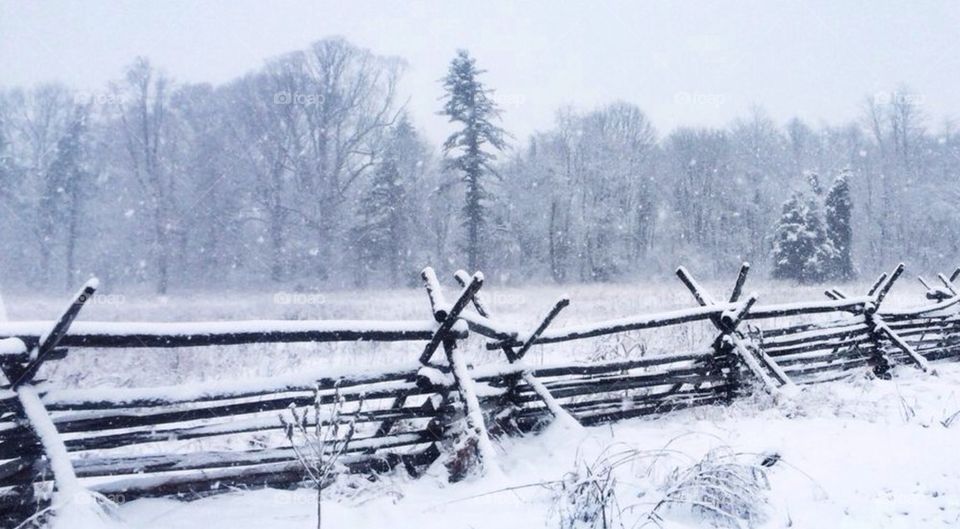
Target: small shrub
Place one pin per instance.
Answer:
(319, 437)
(719, 489)
(586, 498)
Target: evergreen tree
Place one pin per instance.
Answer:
(839, 209)
(820, 250)
(788, 242)
(387, 210)
(801, 249)
(468, 103)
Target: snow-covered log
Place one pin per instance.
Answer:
(450, 317)
(741, 280)
(528, 341)
(476, 426)
(324, 379)
(634, 323)
(130, 335)
(882, 292)
(225, 479)
(901, 344)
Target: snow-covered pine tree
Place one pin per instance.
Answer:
(839, 209)
(819, 250)
(789, 253)
(468, 103)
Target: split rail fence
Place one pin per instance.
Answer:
(196, 440)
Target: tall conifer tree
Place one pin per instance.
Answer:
(468, 103)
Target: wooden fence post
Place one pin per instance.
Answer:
(26, 468)
(477, 443)
(514, 356)
(880, 330)
(31, 413)
(730, 343)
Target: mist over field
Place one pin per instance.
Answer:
(354, 159)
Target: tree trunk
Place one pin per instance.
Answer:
(71, 269)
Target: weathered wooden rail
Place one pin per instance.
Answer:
(205, 438)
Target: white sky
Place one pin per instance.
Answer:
(683, 63)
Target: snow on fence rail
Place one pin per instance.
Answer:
(205, 438)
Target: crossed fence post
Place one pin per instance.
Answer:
(447, 316)
(20, 365)
(513, 356)
(949, 289)
(730, 342)
(879, 329)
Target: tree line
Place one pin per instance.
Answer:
(309, 170)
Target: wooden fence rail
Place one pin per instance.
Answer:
(213, 437)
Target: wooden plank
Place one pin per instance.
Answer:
(544, 323)
(698, 292)
(218, 480)
(651, 400)
(160, 335)
(149, 435)
(948, 283)
(476, 426)
(82, 399)
(885, 289)
(762, 312)
(856, 340)
(19, 374)
(876, 284)
(601, 417)
(618, 386)
(450, 318)
(755, 360)
(635, 323)
(901, 344)
(741, 280)
(752, 363)
(529, 378)
(132, 417)
(179, 462)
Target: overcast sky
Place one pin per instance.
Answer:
(683, 63)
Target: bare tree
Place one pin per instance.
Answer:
(142, 105)
(316, 119)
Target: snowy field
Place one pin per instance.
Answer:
(857, 453)
(521, 306)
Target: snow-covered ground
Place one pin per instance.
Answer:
(856, 453)
(853, 453)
